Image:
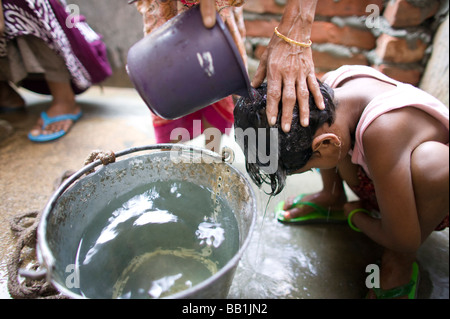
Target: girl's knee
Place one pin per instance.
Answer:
(430, 172)
(430, 167)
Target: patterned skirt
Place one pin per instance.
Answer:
(51, 33)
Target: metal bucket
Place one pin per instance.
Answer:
(75, 205)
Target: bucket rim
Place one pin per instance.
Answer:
(47, 260)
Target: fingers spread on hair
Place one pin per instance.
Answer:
(303, 103)
(273, 100)
(289, 99)
(261, 71)
(315, 91)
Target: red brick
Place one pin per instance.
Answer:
(263, 6)
(398, 50)
(260, 28)
(411, 76)
(401, 13)
(325, 61)
(331, 8)
(327, 32)
(322, 32)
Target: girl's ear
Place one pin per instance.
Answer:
(324, 140)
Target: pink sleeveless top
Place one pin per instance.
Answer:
(403, 95)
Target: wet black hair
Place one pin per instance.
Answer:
(294, 148)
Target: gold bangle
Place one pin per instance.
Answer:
(285, 38)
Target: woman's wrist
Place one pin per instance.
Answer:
(291, 41)
(297, 20)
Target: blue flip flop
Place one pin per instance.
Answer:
(49, 120)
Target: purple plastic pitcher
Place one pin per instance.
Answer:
(182, 66)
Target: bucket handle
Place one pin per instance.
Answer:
(226, 156)
(33, 274)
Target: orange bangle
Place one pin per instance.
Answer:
(288, 40)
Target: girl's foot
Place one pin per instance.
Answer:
(396, 272)
(326, 200)
(63, 125)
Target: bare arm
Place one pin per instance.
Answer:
(399, 228)
(290, 69)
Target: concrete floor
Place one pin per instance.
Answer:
(317, 261)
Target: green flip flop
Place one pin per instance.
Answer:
(318, 215)
(410, 289)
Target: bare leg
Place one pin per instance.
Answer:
(430, 176)
(430, 172)
(63, 103)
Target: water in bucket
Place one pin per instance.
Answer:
(155, 241)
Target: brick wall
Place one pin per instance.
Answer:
(393, 36)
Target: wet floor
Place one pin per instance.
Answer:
(314, 261)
